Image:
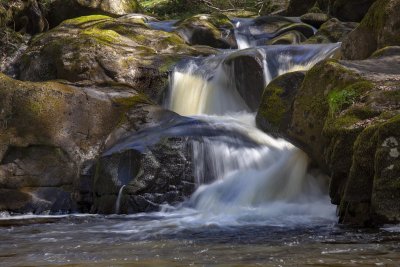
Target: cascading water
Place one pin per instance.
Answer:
(265, 179)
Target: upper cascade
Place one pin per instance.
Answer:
(227, 83)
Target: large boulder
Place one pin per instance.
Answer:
(49, 134)
(215, 30)
(346, 116)
(60, 10)
(103, 50)
(379, 28)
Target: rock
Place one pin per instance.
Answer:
(275, 111)
(332, 31)
(23, 16)
(346, 117)
(354, 10)
(287, 38)
(12, 44)
(104, 50)
(378, 29)
(60, 10)
(278, 30)
(247, 66)
(215, 30)
(388, 51)
(48, 132)
(297, 8)
(315, 19)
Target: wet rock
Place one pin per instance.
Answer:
(332, 31)
(346, 117)
(60, 10)
(288, 38)
(154, 167)
(315, 19)
(48, 131)
(247, 67)
(103, 50)
(378, 29)
(215, 30)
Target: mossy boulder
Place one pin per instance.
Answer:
(102, 50)
(215, 30)
(60, 10)
(332, 31)
(379, 28)
(49, 133)
(346, 117)
(275, 110)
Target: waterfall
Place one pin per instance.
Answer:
(256, 175)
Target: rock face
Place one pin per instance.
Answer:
(332, 31)
(105, 50)
(346, 116)
(378, 29)
(60, 10)
(49, 132)
(214, 30)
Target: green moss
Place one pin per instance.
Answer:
(339, 99)
(86, 19)
(129, 102)
(273, 108)
(105, 36)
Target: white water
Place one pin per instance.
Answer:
(257, 180)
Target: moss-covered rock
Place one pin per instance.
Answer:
(102, 50)
(275, 111)
(48, 133)
(332, 31)
(379, 28)
(346, 116)
(60, 10)
(215, 30)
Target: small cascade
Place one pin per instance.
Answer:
(118, 202)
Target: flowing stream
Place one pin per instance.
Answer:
(256, 201)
